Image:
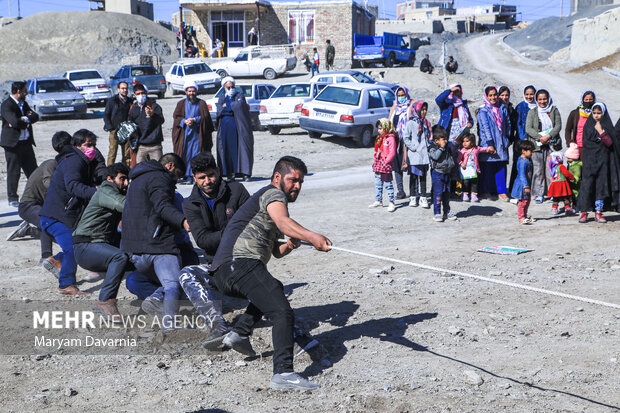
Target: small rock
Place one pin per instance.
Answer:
(161, 365)
(565, 334)
(613, 360)
(206, 382)
(42, 357)
(580, 309)
(472, 377)
(26, 299)
(590, 269)
(455, 331)
(415, 386)
(257, 388)
(615, 267)
(495, 273)
(241, 364)
(387, 388)
(70, 392)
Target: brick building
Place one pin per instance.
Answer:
(306, 24)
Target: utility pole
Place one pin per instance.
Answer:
(181, 32)
(19, 10)
(9, 8)
(561, 8)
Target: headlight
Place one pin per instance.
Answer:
(79, 100)
(47, 103)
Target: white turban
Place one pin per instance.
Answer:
(228, 79)
(190, 83)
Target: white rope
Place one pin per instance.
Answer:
(478, 277)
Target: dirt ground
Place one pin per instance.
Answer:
(393, 338)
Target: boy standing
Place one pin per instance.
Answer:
(521, 189)
(441, 156)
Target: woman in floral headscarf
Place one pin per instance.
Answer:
(399, 114)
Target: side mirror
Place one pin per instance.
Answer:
(406, 44)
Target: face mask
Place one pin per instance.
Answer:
(141, 99)
(402, 99)
(90, 153)
(588, 105)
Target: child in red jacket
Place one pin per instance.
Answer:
(560, 188)
(385, 152)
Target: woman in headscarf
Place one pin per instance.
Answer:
(494, 129)
(416, 136)
(522, 109)
(235, 140)
(399, 115)
(513, 116)
(600, 174)
(577, 119)
(543, 127)
(455, 114)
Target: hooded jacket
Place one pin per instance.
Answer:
(70, 188)
(101, 217)
(150, 218)
(208, 224)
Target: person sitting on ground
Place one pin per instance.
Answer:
(70, 190)
(31, 202)
(426, 66)
(150, 221)
(251, 237)
(96, 238)
(441, 155)
(452, 65)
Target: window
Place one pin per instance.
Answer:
(263, 92)
(236, 37)
(343, 79)
(388, 96)
(327, 79)
(340, 95)
(227, 15)
(90, 74)
(362, 78)
(143, 71)
(196, 69)
(242, 57)
(374, 99)
(56, 85)
(301, 26)
(287, 91)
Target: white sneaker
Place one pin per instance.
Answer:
(376, 204)
(391, 207)
(438, 218)
(450, 216)
(424, 203)
(413, 201)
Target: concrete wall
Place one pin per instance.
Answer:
(594, 38)
(577, 5)
(141, 8)
(400, 26)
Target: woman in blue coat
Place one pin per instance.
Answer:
(494, 126)
(455, 114)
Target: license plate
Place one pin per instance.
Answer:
(68, 109)
(324, 115)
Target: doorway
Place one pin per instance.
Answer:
(220, 31)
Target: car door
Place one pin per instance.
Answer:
(241, 65)
(388, 100)
(179, 78)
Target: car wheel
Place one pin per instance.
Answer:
(170, 89)
(314, 135)
(411, 60)
(365, 65)
(161, 95)
(389, 62)
(270, 74)
(365, 138)
(274, 130)
(222, 73)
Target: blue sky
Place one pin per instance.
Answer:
(530, 9)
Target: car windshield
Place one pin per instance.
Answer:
(88, 74)
(340, 95)
(197, 68)
(56, 85)
(245, 89)
(362, 78)
(143, 71)
(288, 91)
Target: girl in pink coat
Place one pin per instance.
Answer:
(469, 167)
(383, 163)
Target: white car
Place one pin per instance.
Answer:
(266, 61)
(254, 93)
(283, 108)
(347, 109)
(91, 85)
(196, 70)
(346, 76)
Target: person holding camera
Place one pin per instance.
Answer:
(116, 112)
(147, 114)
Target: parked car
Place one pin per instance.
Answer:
(90, 84)
(283, 108)
(347, 109)
(206, 79)
(388, 49)
(345, 76)
(254, 94)
(154, 81)
(266, 61)
(54, 96)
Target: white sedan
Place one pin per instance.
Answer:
(91, 85)
(198, 71)
(283, 108)
(347, 110)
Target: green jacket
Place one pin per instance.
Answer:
(532, 128)
(101, 217)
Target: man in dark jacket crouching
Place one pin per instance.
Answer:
(96, 238)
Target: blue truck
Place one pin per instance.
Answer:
(388, 50)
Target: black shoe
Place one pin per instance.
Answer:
(215, 337)
(20, 232)
(401, 195)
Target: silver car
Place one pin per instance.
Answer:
(90, 84)
(55, 96)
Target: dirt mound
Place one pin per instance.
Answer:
(83, 37)
(544, 37)
(611, 61)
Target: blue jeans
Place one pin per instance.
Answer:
(166, 268)
(144, 286)
(441, 192)
(102, 257)
(315, 67)
(63, 236)
(386, 179)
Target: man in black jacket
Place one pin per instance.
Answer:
(116, 112)
(150, 221)
(208, 209)
(426, 66)
(149, 117)
(17, 138)
(70, 190)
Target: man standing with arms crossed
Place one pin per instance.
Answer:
(116, 112)
(240, 266)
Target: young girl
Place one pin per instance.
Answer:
(416, 137)
(574, 167)
(385, 150)
(399, 115)
(468, 161)
(523, 182)
(559, 188)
